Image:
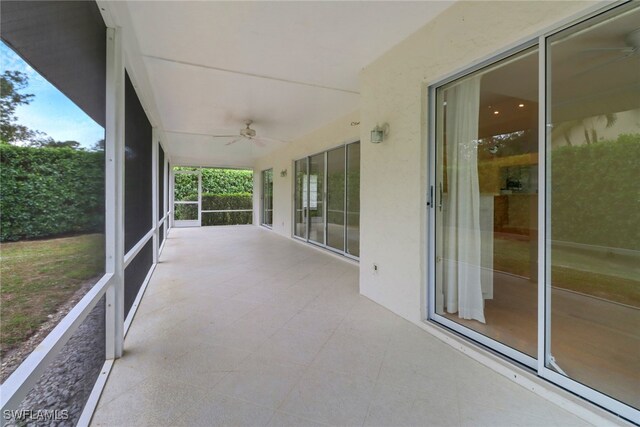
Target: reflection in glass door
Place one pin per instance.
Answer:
(267, 197)
(300, 199)
(486, 220)
(593, 205)
(353, 199)
(315, 198)
(335, 198)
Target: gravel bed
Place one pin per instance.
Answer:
(66, 384)
(13, 358)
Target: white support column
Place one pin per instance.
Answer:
(114, 190)
(154, 193)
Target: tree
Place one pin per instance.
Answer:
(11, 83)
(588, 124)
(50, 142)
(98, 146)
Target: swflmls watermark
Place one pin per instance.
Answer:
(39, 415)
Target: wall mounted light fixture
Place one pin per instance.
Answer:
(283, 173)
(379, 133)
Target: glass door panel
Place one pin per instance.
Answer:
(267, 197)
(487, 190)
(353, 199)
(335, 198)
(593, 205)
(300, 199)
(315, 198)
(187, 199)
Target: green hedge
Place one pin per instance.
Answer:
(50, 191)
(596, 193)
(215, 181)
(226, 201)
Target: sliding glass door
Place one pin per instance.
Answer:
(353, 199)
(534, 196)
(267, 197)
(316, 197)
(327, 199)
(487, 148)
(335, 198)
(300, 199)
(593, 205)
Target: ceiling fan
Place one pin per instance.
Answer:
(248, 134)
(632, 49)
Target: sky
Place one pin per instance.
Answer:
(50, 111)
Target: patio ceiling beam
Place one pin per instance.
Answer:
(244, 73)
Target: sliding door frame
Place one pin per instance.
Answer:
(435, 203)
(539, 364)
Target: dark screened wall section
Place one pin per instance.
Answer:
(135, 274)
(138, 214)
(161, 211)
(66, 41)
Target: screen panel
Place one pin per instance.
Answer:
(138, 186)
(135, 274)
(160, 182)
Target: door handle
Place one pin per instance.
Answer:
(440, 201)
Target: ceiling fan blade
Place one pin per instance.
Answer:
(235, 135)
(187, 133)
(259, 142)
(604, 64)
(279, 141)
(234, 141)
(625, 49)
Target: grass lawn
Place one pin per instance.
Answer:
(38, 276)
(612, 277)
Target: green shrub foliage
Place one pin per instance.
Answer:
(226, 202)
(214, 181)
(596, 193)
(222, 189)
(50, 191)
(216, 202)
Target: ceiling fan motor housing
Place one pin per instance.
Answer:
(248, 132)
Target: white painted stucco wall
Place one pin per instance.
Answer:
(394, 173)
(333, 134)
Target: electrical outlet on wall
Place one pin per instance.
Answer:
(375, 268)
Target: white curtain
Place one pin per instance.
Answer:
(463, 273)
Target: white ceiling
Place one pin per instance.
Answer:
(291, 67)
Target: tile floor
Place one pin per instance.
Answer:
(241, 327)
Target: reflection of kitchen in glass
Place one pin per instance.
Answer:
(487, 235)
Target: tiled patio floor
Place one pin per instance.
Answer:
(242, 327)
